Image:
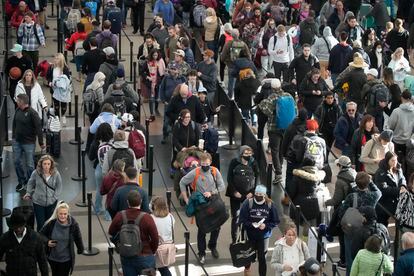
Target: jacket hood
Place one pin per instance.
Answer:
(327, 31)
(374, 82)
(117, 93)
(283, 243)
(121, 144)
(348, 174)
(300, 125)
(407, 107)
(309, 21)
(309, 173)
(266, 82)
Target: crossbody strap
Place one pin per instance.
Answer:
(172, 228)
(380, 266)
(45, 182)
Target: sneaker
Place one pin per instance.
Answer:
(152, 118)
(341, 265)
(214, 253)
(19, 187)
(201, 259)
(64, 120)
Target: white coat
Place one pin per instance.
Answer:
(37, 98)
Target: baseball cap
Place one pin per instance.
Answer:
(109, 51)
(180, 52)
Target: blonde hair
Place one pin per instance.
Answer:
(98, 81)
(211, 12)
(34, 80)
(398, 50)
(159, 207)
(61, 63)
(45, 157)
(389, 26)
(60, 205)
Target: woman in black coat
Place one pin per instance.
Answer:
(186, 133)
(395, 91)
(390, 180)
(62, 233)
(312, 90)
(303, 189)
(244, 90)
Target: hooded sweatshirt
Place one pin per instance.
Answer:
(402, 123)
(338, 59)
(345, 183)
(294, 255)
(320, 48)
(282, 50)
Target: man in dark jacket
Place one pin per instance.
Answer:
(265, 92)
(327, 114)
(24, 249)
(405, 263)
(241, 180)
(308, 29)
(312, 90)
(92, 60)
(339, 56)
(303, 64)
(207, 72)
(119, 101)
(26, 128)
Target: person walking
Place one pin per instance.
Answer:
(62, 232)
(44, 189)
(26, 127)
(24, 249)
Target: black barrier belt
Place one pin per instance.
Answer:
(105, 235)
(178, 214)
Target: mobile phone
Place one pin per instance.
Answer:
(54, 241)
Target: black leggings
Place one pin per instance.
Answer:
(60, 107)
(60, 269)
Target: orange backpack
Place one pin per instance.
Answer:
(197, 175)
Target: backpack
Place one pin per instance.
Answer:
(106, 41)
(111, 79)
(197, 175)
(352, 219)
(79, 50)
(306, 35)
(405, 209)
(199, 15)
(115, 16)
(275, 41)
(136, 142)
(90, 101)
(93, 6)
(285, 111)
(20, 38)
(378, 92)
(235, 48)
(72, 20)
(314, 150)
(125, 155)
(119, 105)
(243, 178)
(130, 243)
(277, 12)
(211, 140)
(382, 231)
(409, 83)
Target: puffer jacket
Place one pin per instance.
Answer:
(320, 47)
(280, 254)
(372, 151)
(42, 194)
(303, 191)
(345, 183)
(37, 98)
(210, 27)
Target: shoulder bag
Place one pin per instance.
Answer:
(165, 255)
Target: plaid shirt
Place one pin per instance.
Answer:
(29, 40)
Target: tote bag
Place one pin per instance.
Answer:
(165, 255)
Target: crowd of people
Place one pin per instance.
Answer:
(322, 78)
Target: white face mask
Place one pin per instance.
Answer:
(379, 51)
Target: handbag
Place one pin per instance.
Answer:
(405, 209)
(352, 218)
(242, 252)
(211, 215)
(165, 255)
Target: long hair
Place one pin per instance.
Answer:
(365, 119)
(34, 80)
(98, 81)
(61, 63)
(159, 207)
(388, 76)
(60, 205)
(45, 157)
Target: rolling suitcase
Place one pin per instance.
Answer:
(53, 143)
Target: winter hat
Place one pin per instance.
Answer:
(312, 125)
(276, 84)
(343, 161)
(386, 135)
(303, 114)
(109, 51)
(244, 148)
(312, 266)
(373, 72)
(120, 73)
(260, 189)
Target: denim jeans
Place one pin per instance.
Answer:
(132, 266)
(231, 83)
(249, 116)
(98, 183)
(43, 213)
(164, 271)
(23, 153)
(166, 123)
(186, 19)
(79, 63)
(201, 241)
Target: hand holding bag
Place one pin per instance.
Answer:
(242, 253)
(165, 255)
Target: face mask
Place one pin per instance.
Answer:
(205, 168)
(259, 199)
(379, 50)
(247, 158)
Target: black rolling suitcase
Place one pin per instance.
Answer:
(53, 143)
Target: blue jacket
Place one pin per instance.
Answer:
(256, 213)
(189, 57)
(166, 9)
(120, 203)
(405, 263)
(338, 58)
(240, 64)
(344, 130)
(167, 86)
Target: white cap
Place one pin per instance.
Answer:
(275, 84)
(127, 118)
(109, 51)
(372, 72)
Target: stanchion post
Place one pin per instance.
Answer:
(111, 259)
(53, 9)
(58, 33)
(396, 242)
(187, 251)
(120, 47)
(150, 170)
(168, 193)
(80, 176)
(131, 58)
(297, 217)
(6, 126)
(77, 140)
(135, 76)
(244, 131)
(90, 251)
(334, 269)
(147, 123)
(83, 202)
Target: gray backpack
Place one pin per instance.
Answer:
(130, 243)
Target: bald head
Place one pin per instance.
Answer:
(184, 90)
(407, 240)
(22, 6)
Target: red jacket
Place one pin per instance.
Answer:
(149, 233)
(70, 44)
(109, 180)
(18, 17)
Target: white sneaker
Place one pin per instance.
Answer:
(64, 120)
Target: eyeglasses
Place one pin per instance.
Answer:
(351, 110)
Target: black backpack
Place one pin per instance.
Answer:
(106, 42)
(382, 231)
(378, 92)
(243, 178)
(119, 105)
(125, 155)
